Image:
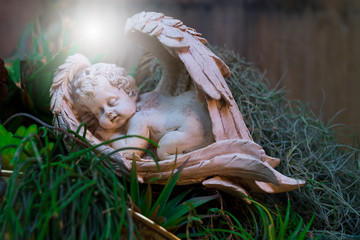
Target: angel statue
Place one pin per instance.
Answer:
(179, 124)
(191, 114)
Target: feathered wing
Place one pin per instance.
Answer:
(186, 61)
(61, 102)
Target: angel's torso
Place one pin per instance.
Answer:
(163, 114)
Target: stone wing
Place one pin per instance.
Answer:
(61, 102)
(187, 63)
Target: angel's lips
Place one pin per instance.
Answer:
(114, 118)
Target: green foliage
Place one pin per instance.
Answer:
(263, 223)
(170, 214)
(18, 144)
(62, 194)
(65, 194)
(30, 74)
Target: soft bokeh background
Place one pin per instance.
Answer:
(312, 45)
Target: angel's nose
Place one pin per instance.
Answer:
(110, 114)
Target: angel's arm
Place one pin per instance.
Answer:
(137, 127)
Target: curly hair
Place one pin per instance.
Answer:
(84, 85)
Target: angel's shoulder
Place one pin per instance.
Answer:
(150, 101)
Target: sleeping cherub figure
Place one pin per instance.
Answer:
(106, 94)
(191, 114)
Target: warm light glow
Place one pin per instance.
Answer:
(97, 30)
(93, 33)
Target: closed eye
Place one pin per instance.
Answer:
(112, 101)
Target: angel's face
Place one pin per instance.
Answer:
(111, 106)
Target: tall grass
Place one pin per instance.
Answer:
(62, 194)
(69, 193)
(257, 222)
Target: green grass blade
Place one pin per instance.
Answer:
(182, 209)
(306, 229)
(134, 184)
(160, 202)
(146, 201)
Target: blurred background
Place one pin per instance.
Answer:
(312, 46)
